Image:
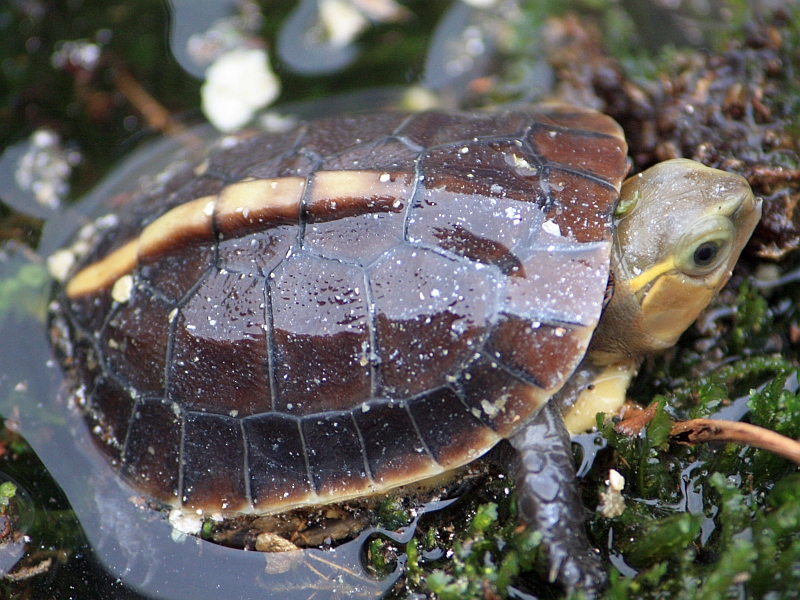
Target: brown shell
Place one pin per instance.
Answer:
(360, 337)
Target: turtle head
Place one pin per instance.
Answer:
(679, 229)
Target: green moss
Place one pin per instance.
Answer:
(7, 491)
(656, 541)
(777, 408)
(392, 514)
(23, 294)
(487, 559)
(376, 555)
(752, 318)
(642, 457)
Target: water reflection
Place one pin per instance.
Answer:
(135, 544)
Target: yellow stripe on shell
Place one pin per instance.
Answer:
(187, 221)
(328, 188)
(240, 207)
(251, 203)
(105, 272)
(190, 221)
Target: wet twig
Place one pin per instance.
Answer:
(698, 431)
(154, 113)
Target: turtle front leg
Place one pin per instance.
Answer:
(549, 501)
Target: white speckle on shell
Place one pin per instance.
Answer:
(121, 292)
(552, 228)
(59, 264)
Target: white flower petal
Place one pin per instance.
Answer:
(238, 84)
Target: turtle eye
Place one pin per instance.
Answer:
(705, 246)
(706, 252)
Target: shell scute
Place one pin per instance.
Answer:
(483, 229)
(219, 360)
(258, 253)
(321, 335)
(335, 457)
(393, 448)
(111, 408)
(496, 396)
(390, 154)
(213, 463)
(562, 283)
(424, 338)
(152, 455)
(175, 274)
(134, 342)
(494, 169)
(428, 130)
(448, 428)
(580, 206)
(333, 136)
(362, 239)
(602, 157)
(541, 354)
(276, 460)
(241, 158)
(577, 119)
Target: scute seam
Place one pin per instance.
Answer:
(367, 470)
(311, 482)
(425, 447)
(246, 466)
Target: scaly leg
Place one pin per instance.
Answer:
(550, 503)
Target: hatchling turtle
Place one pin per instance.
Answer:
(362, 302)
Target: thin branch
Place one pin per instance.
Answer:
(697, 431)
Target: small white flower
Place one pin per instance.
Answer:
(45, 167)
(342, 21)
(238, 84)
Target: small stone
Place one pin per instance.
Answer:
(272, 542)
(612, 503)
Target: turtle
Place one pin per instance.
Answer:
(366, 301)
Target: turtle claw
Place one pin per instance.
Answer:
(583, 573)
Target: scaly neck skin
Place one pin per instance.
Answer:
(622, 334)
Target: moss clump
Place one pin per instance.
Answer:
(486, 561)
